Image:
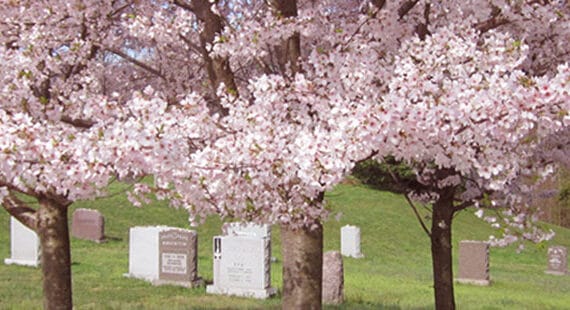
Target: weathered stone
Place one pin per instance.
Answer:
(246, 229)
(557, 260)
(88, 224)
(474, 263)
(333, 278)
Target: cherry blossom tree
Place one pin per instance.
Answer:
(252, 110)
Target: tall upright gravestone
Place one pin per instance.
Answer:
(24, 245)
(88, 224)
(557, 260)
(350, 241)
(474, 263)
(242, 261)
(164, 255)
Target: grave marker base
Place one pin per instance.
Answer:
(29, 263)
(242, 292)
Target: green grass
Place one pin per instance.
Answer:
(394, 274)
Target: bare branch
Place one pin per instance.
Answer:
(135, 62)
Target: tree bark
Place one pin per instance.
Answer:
(302, 267)
(53, 231)
(441, 254)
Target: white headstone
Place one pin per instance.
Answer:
(350, 241)
(246, 229)
(24, 245)
(242, 267)
(163, 255)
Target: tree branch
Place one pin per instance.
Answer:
(411, 203)
(135, 62)
(20, 210)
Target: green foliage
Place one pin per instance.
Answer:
(377, 175)
(394, 274)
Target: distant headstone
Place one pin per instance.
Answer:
(557, 260)
(350, 241)
(164, 255)
(242, 264)
(333, 278)
(474, 263)
(24, 245)
(88, 224)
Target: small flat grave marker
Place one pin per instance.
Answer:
(350, 241)
(88, 224)
(24, 245)
(557, 260)
(474, 263)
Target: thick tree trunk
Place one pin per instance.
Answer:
(442, 217)
(302, 268)
(55, 258)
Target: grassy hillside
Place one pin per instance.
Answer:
(394, 274)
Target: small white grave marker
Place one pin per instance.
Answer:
(24, 245)
(350, 241)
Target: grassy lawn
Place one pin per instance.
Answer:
(394, 274)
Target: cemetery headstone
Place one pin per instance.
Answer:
(242, 264)
(557, 260)
(333, 278)
(164, 255)
(88, 224)
(24, 245)
(350, 241)
(474, 263)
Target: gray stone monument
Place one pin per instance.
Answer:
(88, 224)
(350, 241)
(242, 264)
(333, 278)
(474, 263)
(164, 255)
(557, 260)
(24, 245)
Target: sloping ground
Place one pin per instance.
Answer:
(394, 274)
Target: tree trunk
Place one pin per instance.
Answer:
(55, 257)
(302, 268)
(442, 217)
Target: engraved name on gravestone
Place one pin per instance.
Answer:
(350, 241)
(333, 278)
(177, 255)
(557, 260)
(88, 224)
(474, 263)
(24, 245)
